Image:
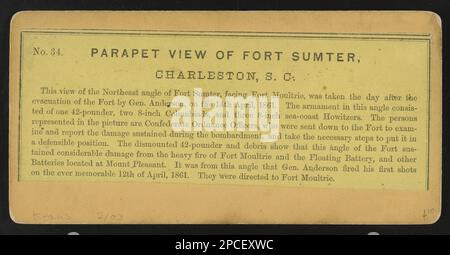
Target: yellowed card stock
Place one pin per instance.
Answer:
(225, 117)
